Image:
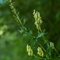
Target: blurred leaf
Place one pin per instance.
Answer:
(41, 34)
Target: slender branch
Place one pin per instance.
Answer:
(41, 46)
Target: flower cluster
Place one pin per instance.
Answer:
(38, 20)
(29, 50)
(40, 52)
(52, 45)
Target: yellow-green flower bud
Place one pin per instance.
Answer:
(29, 50)
(52, 45)
(38, 20)
(40, 52)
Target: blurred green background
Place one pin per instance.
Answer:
(12, 47)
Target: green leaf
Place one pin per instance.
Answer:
(41, 34)
(21, 31)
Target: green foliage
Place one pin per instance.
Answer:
(47, 53)
(14, 36)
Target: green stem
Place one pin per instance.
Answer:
(42, 47)
(56, 50)
(37, 57)
(43, 36)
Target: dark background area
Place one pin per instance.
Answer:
(12, 47)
